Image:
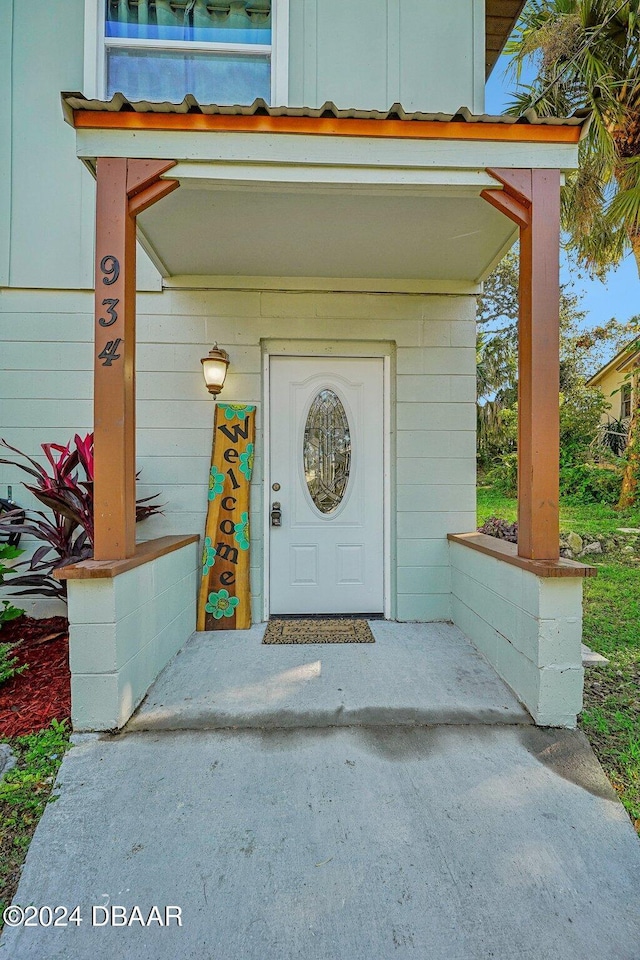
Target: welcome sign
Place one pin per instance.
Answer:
(225, 597)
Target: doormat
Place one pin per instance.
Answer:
(318, 631)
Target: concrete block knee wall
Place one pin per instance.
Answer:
(528, 627)
(123, 631)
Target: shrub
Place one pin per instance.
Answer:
(581, 408)
(7, 610)
(612, 436)
(585, 483)
(67, 490)
(8, 662)
(499, 528)
(504, 475)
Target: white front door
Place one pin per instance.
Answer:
(327, 473)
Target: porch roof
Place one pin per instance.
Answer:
(384, 198)
(79, 112)
(622, 361)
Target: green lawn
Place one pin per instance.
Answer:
(611, 715)
(593, 518)
(24, 793)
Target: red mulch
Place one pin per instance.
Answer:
(31, 700)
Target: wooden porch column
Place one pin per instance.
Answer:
(124, 189)
(531, 198)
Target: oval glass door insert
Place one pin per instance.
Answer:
(327, 451)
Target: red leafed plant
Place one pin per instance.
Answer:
(66, 488)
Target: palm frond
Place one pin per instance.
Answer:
(625, 208)
(587, 54)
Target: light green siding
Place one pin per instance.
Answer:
(47, 181)
(47, 197)
(432, 404)
(369, 54)
(6, 30)
(437, 68)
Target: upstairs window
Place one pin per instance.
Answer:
(221, 51)
(625, 401)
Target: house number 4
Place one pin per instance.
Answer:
(109, 353)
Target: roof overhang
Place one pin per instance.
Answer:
(501, 17)
(625, 360)
(329, 194)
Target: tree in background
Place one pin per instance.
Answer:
(581, 351)
(588, 56)
(497, 365)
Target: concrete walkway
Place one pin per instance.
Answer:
(445, 842)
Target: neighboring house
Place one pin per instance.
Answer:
(617, 383)
(332, 236)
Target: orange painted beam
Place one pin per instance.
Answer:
(327, 126)
(539, 373)
(150, 195)
(531, 198)
(508, 205)
(114, 411)
(121, 191)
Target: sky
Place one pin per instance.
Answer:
(619, 295)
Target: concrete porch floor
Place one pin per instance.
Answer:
(415, 673)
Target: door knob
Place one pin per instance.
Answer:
(276, 514)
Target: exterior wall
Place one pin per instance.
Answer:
(426, 54)
(529, 628)
(370, 54)
(46, 389)
(44, 172)
(123, 632)
(609, 383)
(47, 198)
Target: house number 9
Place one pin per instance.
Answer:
(111, 269)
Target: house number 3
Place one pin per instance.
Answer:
(111, 305)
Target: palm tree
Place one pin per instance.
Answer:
(588, 56)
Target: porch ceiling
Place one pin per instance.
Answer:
(325, 230)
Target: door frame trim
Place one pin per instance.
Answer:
(344, 350)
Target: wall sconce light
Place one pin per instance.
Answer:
(214, 369)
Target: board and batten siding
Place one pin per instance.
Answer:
(47, 197)
(369, 54)
(46, 390)
(366, 54)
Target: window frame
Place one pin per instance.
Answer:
(96, 44)
(626, 396)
